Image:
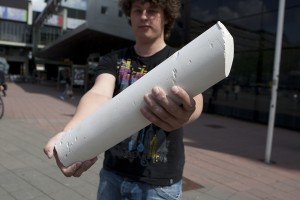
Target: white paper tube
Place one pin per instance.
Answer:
(197, 66)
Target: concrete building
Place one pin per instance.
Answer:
(15, 33)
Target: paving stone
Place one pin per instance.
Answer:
(223, 155)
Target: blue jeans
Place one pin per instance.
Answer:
(116, 187)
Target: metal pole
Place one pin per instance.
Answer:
(280, 23)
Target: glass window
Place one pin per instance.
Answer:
(246, 93)
(291, 25)
(204, 11)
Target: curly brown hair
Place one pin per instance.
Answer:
(171, 10)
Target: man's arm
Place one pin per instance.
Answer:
(101, 92)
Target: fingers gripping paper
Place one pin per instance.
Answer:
(197, 66)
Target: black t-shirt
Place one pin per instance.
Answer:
(150, 155)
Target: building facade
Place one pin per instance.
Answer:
(15, 32)
(246, 93)
(20, 35)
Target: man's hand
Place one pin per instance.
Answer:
(165, 113)
(75, 169)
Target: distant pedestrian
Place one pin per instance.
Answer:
(236, 91)
(68, 91)
(227, 91)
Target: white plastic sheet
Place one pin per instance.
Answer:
(197, 66)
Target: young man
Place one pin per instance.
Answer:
(149, 164)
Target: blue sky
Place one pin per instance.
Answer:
(38, 5)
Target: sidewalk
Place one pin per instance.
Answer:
(224, 156)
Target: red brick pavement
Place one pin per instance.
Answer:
(38, 105)
(223, 155)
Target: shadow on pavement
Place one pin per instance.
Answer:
(241, 138)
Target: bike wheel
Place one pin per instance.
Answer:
(1, 108)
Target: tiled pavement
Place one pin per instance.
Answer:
(223, 155)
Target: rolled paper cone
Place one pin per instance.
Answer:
(197, 66)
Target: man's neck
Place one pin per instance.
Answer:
(148, 49)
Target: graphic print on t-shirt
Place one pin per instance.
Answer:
(128, 74)
(149, 144)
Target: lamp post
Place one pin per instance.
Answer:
(275, 81)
